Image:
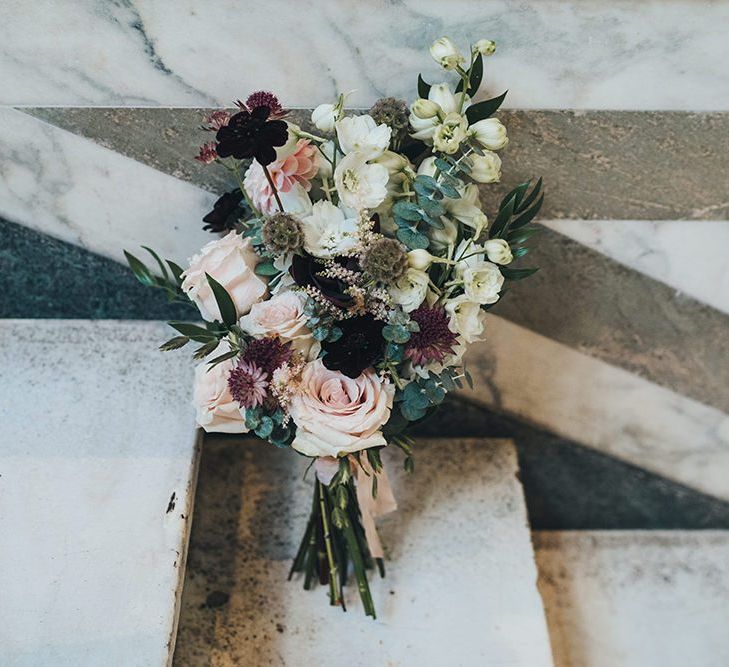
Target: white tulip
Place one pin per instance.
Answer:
(490, 133)
(446, 54)
(441, 94)
(486, 168)
(466, 318)
(449, 135)
(327, 232)
(424, 108)
(498, 251)
(486, 47)
(362, 135)
(420, 259)
(360, 185)
(325, 116)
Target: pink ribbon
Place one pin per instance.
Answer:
(370, 507)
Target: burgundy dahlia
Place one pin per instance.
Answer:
(360, 346)
(434, 340)
(251, 134)
(267, 353)
(226, 212)
(248, 384)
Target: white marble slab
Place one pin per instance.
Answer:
(97, 435)
(654, 54)
(71, 188)
(460, 586)
(636, 599)
(690, 256)
(601, 406)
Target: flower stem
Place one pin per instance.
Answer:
(273, 188)
(335, 593)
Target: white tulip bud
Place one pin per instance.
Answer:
(490, 133)
(498, 251)
(446, 54)
(485, 47)
(394, 162)
(485, 168)
(420, 259)
(325, 116)
(424, 108)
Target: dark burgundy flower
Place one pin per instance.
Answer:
(250, 134)
(207, 153)
(360, 346)
(216, 120)
(247, 384)
(305, 271)
(226, 212)
(262, 98)
(267, 353)
(434, 340)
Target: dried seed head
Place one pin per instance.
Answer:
(282, 233)
(385, 260)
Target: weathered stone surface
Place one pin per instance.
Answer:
(462, 507)
(636, 599)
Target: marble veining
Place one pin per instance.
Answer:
(187, 53)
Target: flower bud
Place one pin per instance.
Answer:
(424, 108)
(324, 117)
(490, 133)
(393, 162)
(485, 168)
(498, 251)
(485, 47)
(420, 259)
(445, 53)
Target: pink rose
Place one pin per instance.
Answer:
(282, 315)
(336, 415)
(298, 167)
(217, 412)
(231, 261)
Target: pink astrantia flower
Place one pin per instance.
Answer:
(247, 384)
(216, 120)
(299, 167)
(262, 98)
(207, 153)
(434, 340)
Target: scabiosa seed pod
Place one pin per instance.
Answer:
(385, 260)
(282, 233)
(395, 113)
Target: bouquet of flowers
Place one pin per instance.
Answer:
(355, 269)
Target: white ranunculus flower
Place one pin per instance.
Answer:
(486, 168)
(232, 262)
(446, 53)
(327, 232)
(466, 318)
(486, 47)
(324, 117)
(360, 185)
(449, 135)
(498, 251)
(360, 134)
(482, 282)
(490, 133)
(411, 290)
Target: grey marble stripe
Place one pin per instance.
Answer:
(623, 165)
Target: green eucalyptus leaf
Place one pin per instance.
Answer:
(412, 238)
(411, 413)
(266, 269)
(449, 191)
(406, 210)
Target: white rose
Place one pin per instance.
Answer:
(231, 261)
(360, 185)
(216, 411)
(486, 168)
(498, 251)
(327, 232)
(486, 47)
(324, 117)
(490, 133)
(282, 315)
(446, 54)
(482, 282)
(466, 318)
(337, 415)
(362, 135)
(411, 290)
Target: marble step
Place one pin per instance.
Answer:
(98, 460)
(636, 598)
(461, 580)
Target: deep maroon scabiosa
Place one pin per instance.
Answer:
(247, 384)
(360, 346)
(434, 340)
(268, 354)
(251, 133)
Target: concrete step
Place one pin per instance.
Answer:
(98, 459)
(636, 598)
(460, 586)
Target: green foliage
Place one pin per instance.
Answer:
(485, 109)
(170, 280)
(322, 324)
(422, 394)
(475, 76)
(228, 313)
(423, 88)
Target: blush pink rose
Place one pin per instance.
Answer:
(337, 415)
(298, 167)
(216, 411)
(282, 315)
(231, 261)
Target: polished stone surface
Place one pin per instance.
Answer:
(97, 477)
(463, 505)
(646, 55)
(636, 599)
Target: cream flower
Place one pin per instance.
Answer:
(327, 232)
(362, 135)
(449, 135)
(337, 415)
(485, 168)
(231, 261)
(482, 282)
(446, 53)
(360, 185)
(490, 133)
(498, 251)
(466, 318)
(466, 209)
(411, 290)
(325, 116)
(216, 411)
(447, 102)
(281, 315)
(486, 47)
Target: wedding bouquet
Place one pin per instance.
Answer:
(355, 269)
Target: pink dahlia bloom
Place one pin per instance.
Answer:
(299, 167)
